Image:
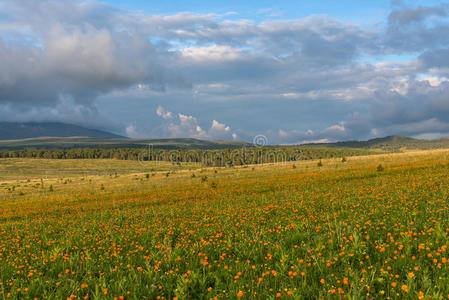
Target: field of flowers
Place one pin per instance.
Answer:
(352, 231)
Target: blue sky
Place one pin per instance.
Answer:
(369, 12)
(255, 8)
(294, 71)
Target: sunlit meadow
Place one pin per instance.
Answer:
(344, 230)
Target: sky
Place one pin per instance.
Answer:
(293, 71)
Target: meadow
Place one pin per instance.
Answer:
(368, 227)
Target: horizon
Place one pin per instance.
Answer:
(293, 72)
(263, 142)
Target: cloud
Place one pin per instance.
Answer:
(131, 131)
(188, 126)
(406, 15)
(412, 29)
(312, 78)
(74, 51)
(211, 53)
(220, 131)
(161, 112)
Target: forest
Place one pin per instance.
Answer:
(212, 157)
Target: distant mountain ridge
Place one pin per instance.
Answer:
(52, 135)
(17, 131)
(389, 143)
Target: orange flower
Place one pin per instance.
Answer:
(240, 294)
(404, 288)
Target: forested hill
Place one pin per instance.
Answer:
(390, 143)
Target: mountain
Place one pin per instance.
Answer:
(16, 131)
(82, 142)
(389, 143)
(64, 136)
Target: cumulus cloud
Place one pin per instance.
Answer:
(188, 126)
(161, 112)
(65, 49)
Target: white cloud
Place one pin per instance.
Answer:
(212, 53)
(161, 112)
(131, 131)
(188, 126)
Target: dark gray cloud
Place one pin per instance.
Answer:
(313, 78)
(412, 29)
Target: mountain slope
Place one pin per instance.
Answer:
(389, 143)
(16, 131)
(82, 142)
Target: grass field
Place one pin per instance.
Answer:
(290, 231)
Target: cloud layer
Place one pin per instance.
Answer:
(307, 79)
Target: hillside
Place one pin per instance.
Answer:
(16, 131)
(82, 142)
(15, 136)
(389, 143)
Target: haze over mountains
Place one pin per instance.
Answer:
(61, 135)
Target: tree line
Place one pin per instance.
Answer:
(212, 157)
